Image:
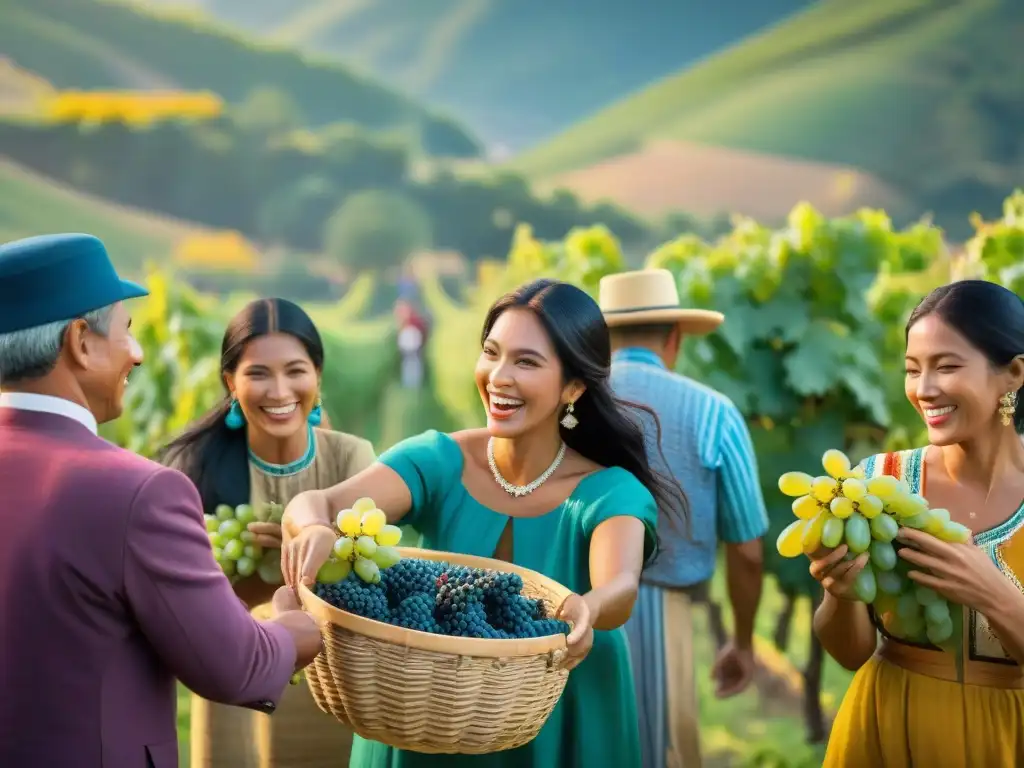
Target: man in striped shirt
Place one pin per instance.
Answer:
(706, 447)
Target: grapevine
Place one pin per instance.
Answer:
(842, 507)
(996, 252)
(806, 357)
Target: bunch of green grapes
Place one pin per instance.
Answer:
(235, 547)
(842, 507)
(367, 544)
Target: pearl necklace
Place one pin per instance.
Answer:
(521, 490)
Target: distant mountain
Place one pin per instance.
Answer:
(926, 95)
(105, 44)
(515, 72)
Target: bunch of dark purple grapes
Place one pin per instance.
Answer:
(440, 598)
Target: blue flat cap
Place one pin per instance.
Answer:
(51, 278)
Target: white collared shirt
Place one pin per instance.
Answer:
(26, 401)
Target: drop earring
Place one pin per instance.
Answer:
(234, 419)
(569, 421)
(317, 414)
(1008, 407)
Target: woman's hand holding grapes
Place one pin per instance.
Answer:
(303, 554)
(835, 573)
(268, 535)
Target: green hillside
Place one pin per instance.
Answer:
(20, 90)
(926, 94)
(515, 72)
(106, 44)
(31, 204)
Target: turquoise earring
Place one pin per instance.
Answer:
(317, 414)
(234, 418)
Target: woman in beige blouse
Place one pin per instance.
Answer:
(265, 443)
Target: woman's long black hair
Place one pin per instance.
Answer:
(988, 315)
(609, 431)
(216, 458)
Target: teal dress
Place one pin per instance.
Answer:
(594, 724)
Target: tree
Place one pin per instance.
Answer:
(377, 230)
(293, 214)
(268, 111)
(443, 137)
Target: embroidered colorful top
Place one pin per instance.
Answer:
(1003, 543)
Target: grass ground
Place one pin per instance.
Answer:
(20, 90)
(739, 731)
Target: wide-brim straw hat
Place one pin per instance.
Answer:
(650, 297)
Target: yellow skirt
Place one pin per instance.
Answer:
(894, 718)
(298, 735)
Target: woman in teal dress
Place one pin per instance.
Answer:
(558, 482)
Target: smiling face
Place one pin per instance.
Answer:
(519, 376)
(110, 359)
(276, 384)
(952, 384)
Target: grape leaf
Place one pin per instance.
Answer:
(813, 367)
(856, 286)
(868, 393)
(740, 316)
(785, 316)
(766, 377)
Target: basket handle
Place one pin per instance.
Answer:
(556, 657)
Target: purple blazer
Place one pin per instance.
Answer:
(108, 592)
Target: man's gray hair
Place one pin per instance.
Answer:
(33, 352)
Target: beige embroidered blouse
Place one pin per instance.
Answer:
(339, 456)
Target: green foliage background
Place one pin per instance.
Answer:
(810, 352)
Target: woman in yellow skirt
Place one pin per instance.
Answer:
(912, 704)
(264, 444)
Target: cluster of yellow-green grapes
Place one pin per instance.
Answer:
(235, 547)
(842, 507)
(367, 544)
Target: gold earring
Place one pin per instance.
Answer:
(569, 421)
(1008, 407)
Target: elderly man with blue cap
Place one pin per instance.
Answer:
(108, 586)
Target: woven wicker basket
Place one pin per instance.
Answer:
(433, 693)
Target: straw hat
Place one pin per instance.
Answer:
(650, 297)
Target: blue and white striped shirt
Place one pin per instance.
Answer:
(707, 449)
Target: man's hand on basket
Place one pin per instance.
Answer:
(302, 556)
(284, 600)
(287, 612)
(580, 640)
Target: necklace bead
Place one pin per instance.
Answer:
(521, 490)
(287, 470)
